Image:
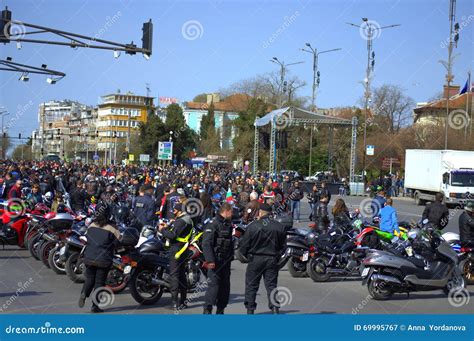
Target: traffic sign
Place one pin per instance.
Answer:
(165, 150)
(370, 150)
(131, 157)
(96, 157)
(144, 158)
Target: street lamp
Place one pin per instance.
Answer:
(316, 73)
(3, 113)
(282, 90)
(370, 28)
(283, 67)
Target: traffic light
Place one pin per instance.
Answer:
(5, 26)
(147, 38)
(59, 131)
(96, 134)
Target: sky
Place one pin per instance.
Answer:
(204, 46)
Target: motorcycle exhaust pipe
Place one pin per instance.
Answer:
(385, 278)
(160, 282)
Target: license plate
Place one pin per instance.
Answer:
(305, 256)
(365, 272)
(127, 269)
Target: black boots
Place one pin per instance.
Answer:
(220, 311)
(174, 301)
(82, 300)
(207, 310)
(183, 302)
(275, 310)
(250, 311)
(96, 309)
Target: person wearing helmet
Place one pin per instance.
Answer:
(102, 238)
(177, 235)
(466, 223)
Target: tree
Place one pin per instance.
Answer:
(201, 98)
(22, 152)
(392, 108)
(174, 117)
(207, 122)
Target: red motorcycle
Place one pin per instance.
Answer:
(14, 220)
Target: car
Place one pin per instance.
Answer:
(52, 157)
(293, 175)
(317, 177)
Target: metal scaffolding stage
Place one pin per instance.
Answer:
(292, 116)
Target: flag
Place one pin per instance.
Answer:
(228, 196)
(465, 88)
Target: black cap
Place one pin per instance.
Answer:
(265, 208)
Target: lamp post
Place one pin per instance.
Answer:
(316, 74)
(281, 92)
(369, 28)
(3, 113)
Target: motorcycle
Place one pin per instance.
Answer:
(465, 254)
(151, 276)
(433, 265)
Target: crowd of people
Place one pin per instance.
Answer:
(154, 193)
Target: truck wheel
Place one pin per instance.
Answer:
(418, 201)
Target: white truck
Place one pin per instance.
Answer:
(450, 172)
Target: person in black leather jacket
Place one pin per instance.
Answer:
(263, 243)
(102, 238)
(437, 213)
(466, 224)
(218, 251)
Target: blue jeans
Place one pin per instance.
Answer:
(295, 209)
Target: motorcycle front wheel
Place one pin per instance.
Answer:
(142, 289)
(467, 269)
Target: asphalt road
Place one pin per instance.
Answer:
(27, 286)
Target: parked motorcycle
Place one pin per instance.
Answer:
(433, 266)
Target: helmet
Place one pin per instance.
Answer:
(379, 188)
(469, 206)
(147, 231)
(122, 214)
(48, 196)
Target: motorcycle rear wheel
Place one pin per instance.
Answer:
(294, 270)
(34, 245)
(317, 269)
(378, 291)
(75, 268)
(140, 285)
(53, 261)
(116, 285)
(45, 250)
